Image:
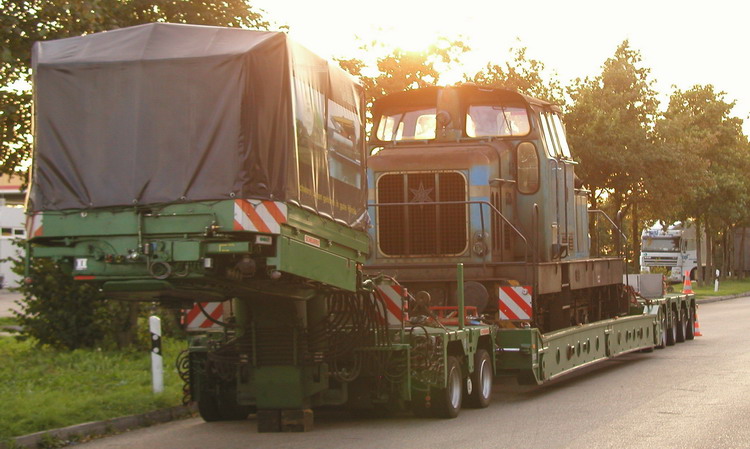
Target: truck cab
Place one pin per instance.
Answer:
(673, 249)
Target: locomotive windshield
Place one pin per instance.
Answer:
(481, 121)
(496, 121)
(416, 124)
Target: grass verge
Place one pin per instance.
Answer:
(726, 288)
(44, 389)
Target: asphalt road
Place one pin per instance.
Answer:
(693, 395)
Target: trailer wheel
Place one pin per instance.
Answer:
(446, 401)
(213, 408)
(219, 403)
(663, 340)
(672, 329)
(681, 325)
(481, 381)
(690, 327)
(208, 407)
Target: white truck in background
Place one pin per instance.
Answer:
(674, 248)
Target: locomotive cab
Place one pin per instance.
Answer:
(483, 177)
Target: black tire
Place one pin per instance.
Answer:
(208, 407)
(480, 395)
(221, 406)
(672, 329)
(690, 326)
(681, 323)
(446, 402)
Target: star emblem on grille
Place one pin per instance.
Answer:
(421, 195)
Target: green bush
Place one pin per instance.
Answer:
(56, 311)
(67, 314)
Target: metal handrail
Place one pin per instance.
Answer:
(535, 273)
(615, 227)
(481, 212)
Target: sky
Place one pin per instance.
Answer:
(684, 43)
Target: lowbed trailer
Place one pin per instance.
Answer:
(538, 358)
(224, 172)
(439, 362)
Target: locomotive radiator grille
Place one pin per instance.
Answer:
(422, 229)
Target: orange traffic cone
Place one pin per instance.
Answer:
(687, 287)
(697, 331)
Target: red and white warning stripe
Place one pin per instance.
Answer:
(393, 296)
(515, 303)
(259, 216)
(197, 321)
(34, 225)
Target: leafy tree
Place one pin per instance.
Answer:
(401, 70)
(523, 74)
(711, 160)
(609, 127)
(24, 22)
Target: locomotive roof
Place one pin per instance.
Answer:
(427, 96)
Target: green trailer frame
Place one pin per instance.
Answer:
(161, 251)
(538, 358)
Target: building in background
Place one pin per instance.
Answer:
(12, 226)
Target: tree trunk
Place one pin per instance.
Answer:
(593, 231)
(728, 269)
(741, 256)
(636, 237)
(699, 251)
(709, 253)
(127, 332)
(617, 242)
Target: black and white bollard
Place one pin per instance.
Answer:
(157, 361)
(716, 282)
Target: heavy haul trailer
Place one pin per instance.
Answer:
(188, 164)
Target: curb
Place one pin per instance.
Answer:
(710, 299)
(100, 428)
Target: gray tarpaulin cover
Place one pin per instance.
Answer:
(165, 113)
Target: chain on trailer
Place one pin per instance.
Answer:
(182, 365)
